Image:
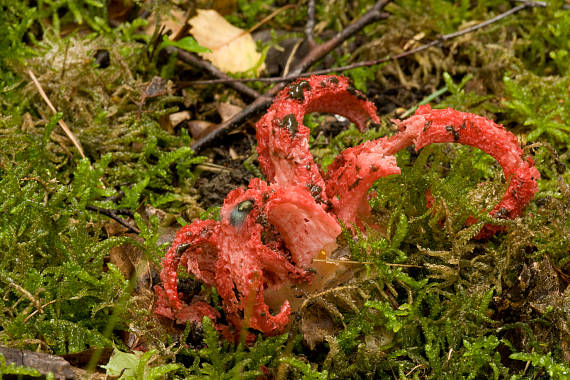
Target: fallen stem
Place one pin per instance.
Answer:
(7, 279)
(309, 27)
(113, 214)
(196, 61)
(541, 4)
(438, 41)
(61, 123)
(37, 310)
(213, 70)
(333, 261)
(267, 18)
(425, 100)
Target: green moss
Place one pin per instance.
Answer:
(52, 261)
(216, 361)
(542, 105)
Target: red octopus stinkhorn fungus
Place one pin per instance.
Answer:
(270, 233)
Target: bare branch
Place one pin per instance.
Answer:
(440, 40)
(541, 4)
(7, 279)
(373, 14)
(213, 70)
(194, 60)
(309, 28)
(113, 214)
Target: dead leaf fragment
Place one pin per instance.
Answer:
(44, 363)
(227, 110)
(178, 117)
(225, 7)
(199, 128)
(233, 49)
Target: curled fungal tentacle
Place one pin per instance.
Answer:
(351, 175)
(283, 140)
(430, 126)
(194, 246)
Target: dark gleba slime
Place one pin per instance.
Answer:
(270, 233)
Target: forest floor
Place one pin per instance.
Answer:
(115, 132)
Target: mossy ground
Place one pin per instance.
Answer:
(429, 302)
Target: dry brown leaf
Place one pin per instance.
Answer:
(198, 128)
(119, 10)
(225, 7)
(227, 110)
(233, 49)
(178, 117)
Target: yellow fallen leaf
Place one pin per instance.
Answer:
(233, 49)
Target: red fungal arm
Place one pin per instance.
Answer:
(196, 244)
(351, 175)
(283, 140)
(429, 126)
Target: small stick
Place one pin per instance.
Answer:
(60, 122)
(333, 261)
(438, 41)
(23, 291)
(309, 28)
(258, 105)
(213, 70)
(541, 4)
(113, 215)
(36, 311)
(194, 60)
(291, 57)
(267, 18)
(212, 168)
(256, 26)
(373, 14)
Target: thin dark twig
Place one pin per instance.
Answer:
(441, 39)
(257, 106)
(541, 4)
(213, 70)
(373, 14)
(113, 214)
(309, 27)
(194, 60)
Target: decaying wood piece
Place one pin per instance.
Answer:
(44, 363)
